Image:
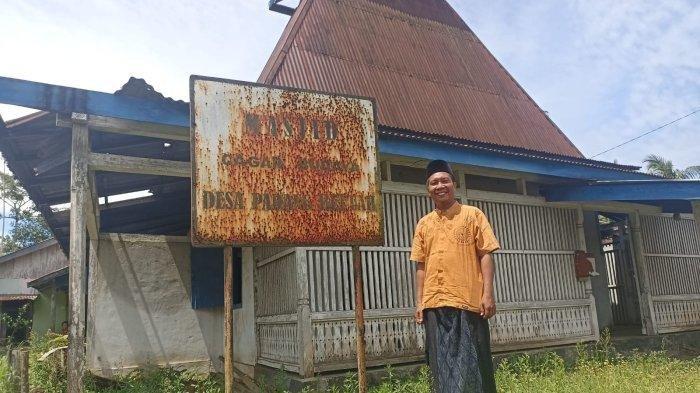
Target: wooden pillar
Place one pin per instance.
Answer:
(77, 253)
(696, 214)
(228, 319)
(2, 331)
(23, 375)
(52, 313)
(387, 169)
(645, 300)
(359, 319)
(304, 328)
(581, 237)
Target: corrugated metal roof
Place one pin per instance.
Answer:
(34, 140)
(428, 72)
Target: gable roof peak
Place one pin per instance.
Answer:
(425, 68)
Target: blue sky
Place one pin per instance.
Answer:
(605, 71)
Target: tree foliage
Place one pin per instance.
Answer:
(28, 226)
(657, 165)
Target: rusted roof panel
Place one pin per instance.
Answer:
(427, 72)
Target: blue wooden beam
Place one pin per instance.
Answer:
(673, 196)
(429, 150)
(62, 99)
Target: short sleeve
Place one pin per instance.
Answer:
(484, 239)
(418, 246)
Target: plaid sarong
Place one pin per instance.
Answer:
(458, 351)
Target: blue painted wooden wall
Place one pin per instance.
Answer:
(208, 277)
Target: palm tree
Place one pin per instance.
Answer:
(659, 166)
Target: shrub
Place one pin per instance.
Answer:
(47, 376)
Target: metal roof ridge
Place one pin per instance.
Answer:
(427, 22)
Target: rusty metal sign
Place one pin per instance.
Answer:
(280, 166)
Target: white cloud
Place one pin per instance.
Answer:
(606, 71)
(99, 45)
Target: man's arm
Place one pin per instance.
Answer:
(488, 302)
(420, 279)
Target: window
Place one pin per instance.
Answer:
(494, 184)
(407, 174)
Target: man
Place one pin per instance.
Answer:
(452, 249)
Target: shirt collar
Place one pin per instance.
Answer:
(450, 211)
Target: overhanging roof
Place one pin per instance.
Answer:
(673, 196)
(37, 151)
(58, 277)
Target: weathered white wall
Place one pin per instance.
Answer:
(33, 262)
(139, 310)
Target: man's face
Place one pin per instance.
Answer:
(441, 188)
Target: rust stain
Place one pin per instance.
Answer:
(299, 168)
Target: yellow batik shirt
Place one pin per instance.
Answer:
(451, 244)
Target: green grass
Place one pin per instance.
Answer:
(6, 383)
(654, 372)
(598, 368)
(157, 380)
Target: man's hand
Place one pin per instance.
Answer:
(487, 306)
(419, 315)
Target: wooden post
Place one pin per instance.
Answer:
(77, 253)
(696, 214)
(645, 301)
(23, 370)
(228, 319)
(53, 307)
(581, 240)
(359, 319)
(304, 326)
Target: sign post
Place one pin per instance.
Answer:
(276, 166)
(228, 319)
(359, 319)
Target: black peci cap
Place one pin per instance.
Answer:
(436, 166)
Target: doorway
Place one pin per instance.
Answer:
(615, 242)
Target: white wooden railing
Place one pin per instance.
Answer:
(304, 296)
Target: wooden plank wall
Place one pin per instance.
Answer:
(671, 249)
(276, 295)
(541, 301)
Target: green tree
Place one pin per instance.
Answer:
(28, 226)
(657, 165)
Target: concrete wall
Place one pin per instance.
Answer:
(33, 262)
(139, 310)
